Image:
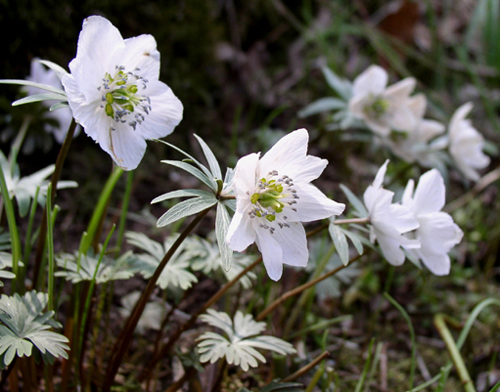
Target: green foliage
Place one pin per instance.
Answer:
(176, 271)
(243, 336)
(24, 325)
(82, 267)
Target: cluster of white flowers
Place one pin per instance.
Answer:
(417, 139)
(417, 224)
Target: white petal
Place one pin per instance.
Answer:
(240, 233)
(313, 205)
(97, 44)
(272, 254)
(438, 264)
(127, 147)
(402, 218)
(166, 112)
(457, 118)
(372, 81)
(438, 233)
(244, 179)
(293, 244)
(390, 247)
(430, 193)
(417, 105)
(399, 92)
(407, 198)
(140, 53)
(379, 178)
(288, 157)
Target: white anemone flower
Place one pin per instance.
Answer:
(114, 91)
(418, 146)
(466, 144)
(389, 221)
(384, 109)
(273, 196)
(437, 232)
(40, 74)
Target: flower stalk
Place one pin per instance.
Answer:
(124, 339)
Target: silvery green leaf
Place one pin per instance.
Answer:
(342, 86)
(153, 314)
(355, 239)
(211, 159)
(40, 97)
(175, 272)
(180, 193)
(230, 203)
(356, 203)
(109, 269)
(195, 161)
(186, 208)
(203, 177)
(24, 324)
(206, 257)
(340, 241)
(243, 337)
(60, 71)
(45, 87)
(222, 221)
(59, 105)
(322, 105)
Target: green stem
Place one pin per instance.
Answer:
(63, 152)
(16, 146)
(122, 343)
(14, 234)
(50, 247)
(412, 335)
(123, 216)
(98, 213)
(90, 291)
(457, 359)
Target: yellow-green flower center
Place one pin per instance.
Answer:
(270, 199)
(378, 107)
(120, 98)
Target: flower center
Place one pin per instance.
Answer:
(120, 100)
(273, 195)
(378, 107)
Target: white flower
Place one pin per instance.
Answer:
(384, 109)
(466, 144)
(389, 221)
(273, 195)
(417, 145)
(114, 91)
(63, 116)
(437, 232)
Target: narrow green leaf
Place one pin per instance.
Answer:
(340, 241)
(180, 193)
(59, 105)
(33, 84)
(342, 86)
(195, 172)
(222, 221)
(322, 105)
(211, 159)
(60, 71)
(355, 201)
(355, 238)
(40, 97)
(186, 208)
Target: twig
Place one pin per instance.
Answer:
(306, 368)
(301, 288)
